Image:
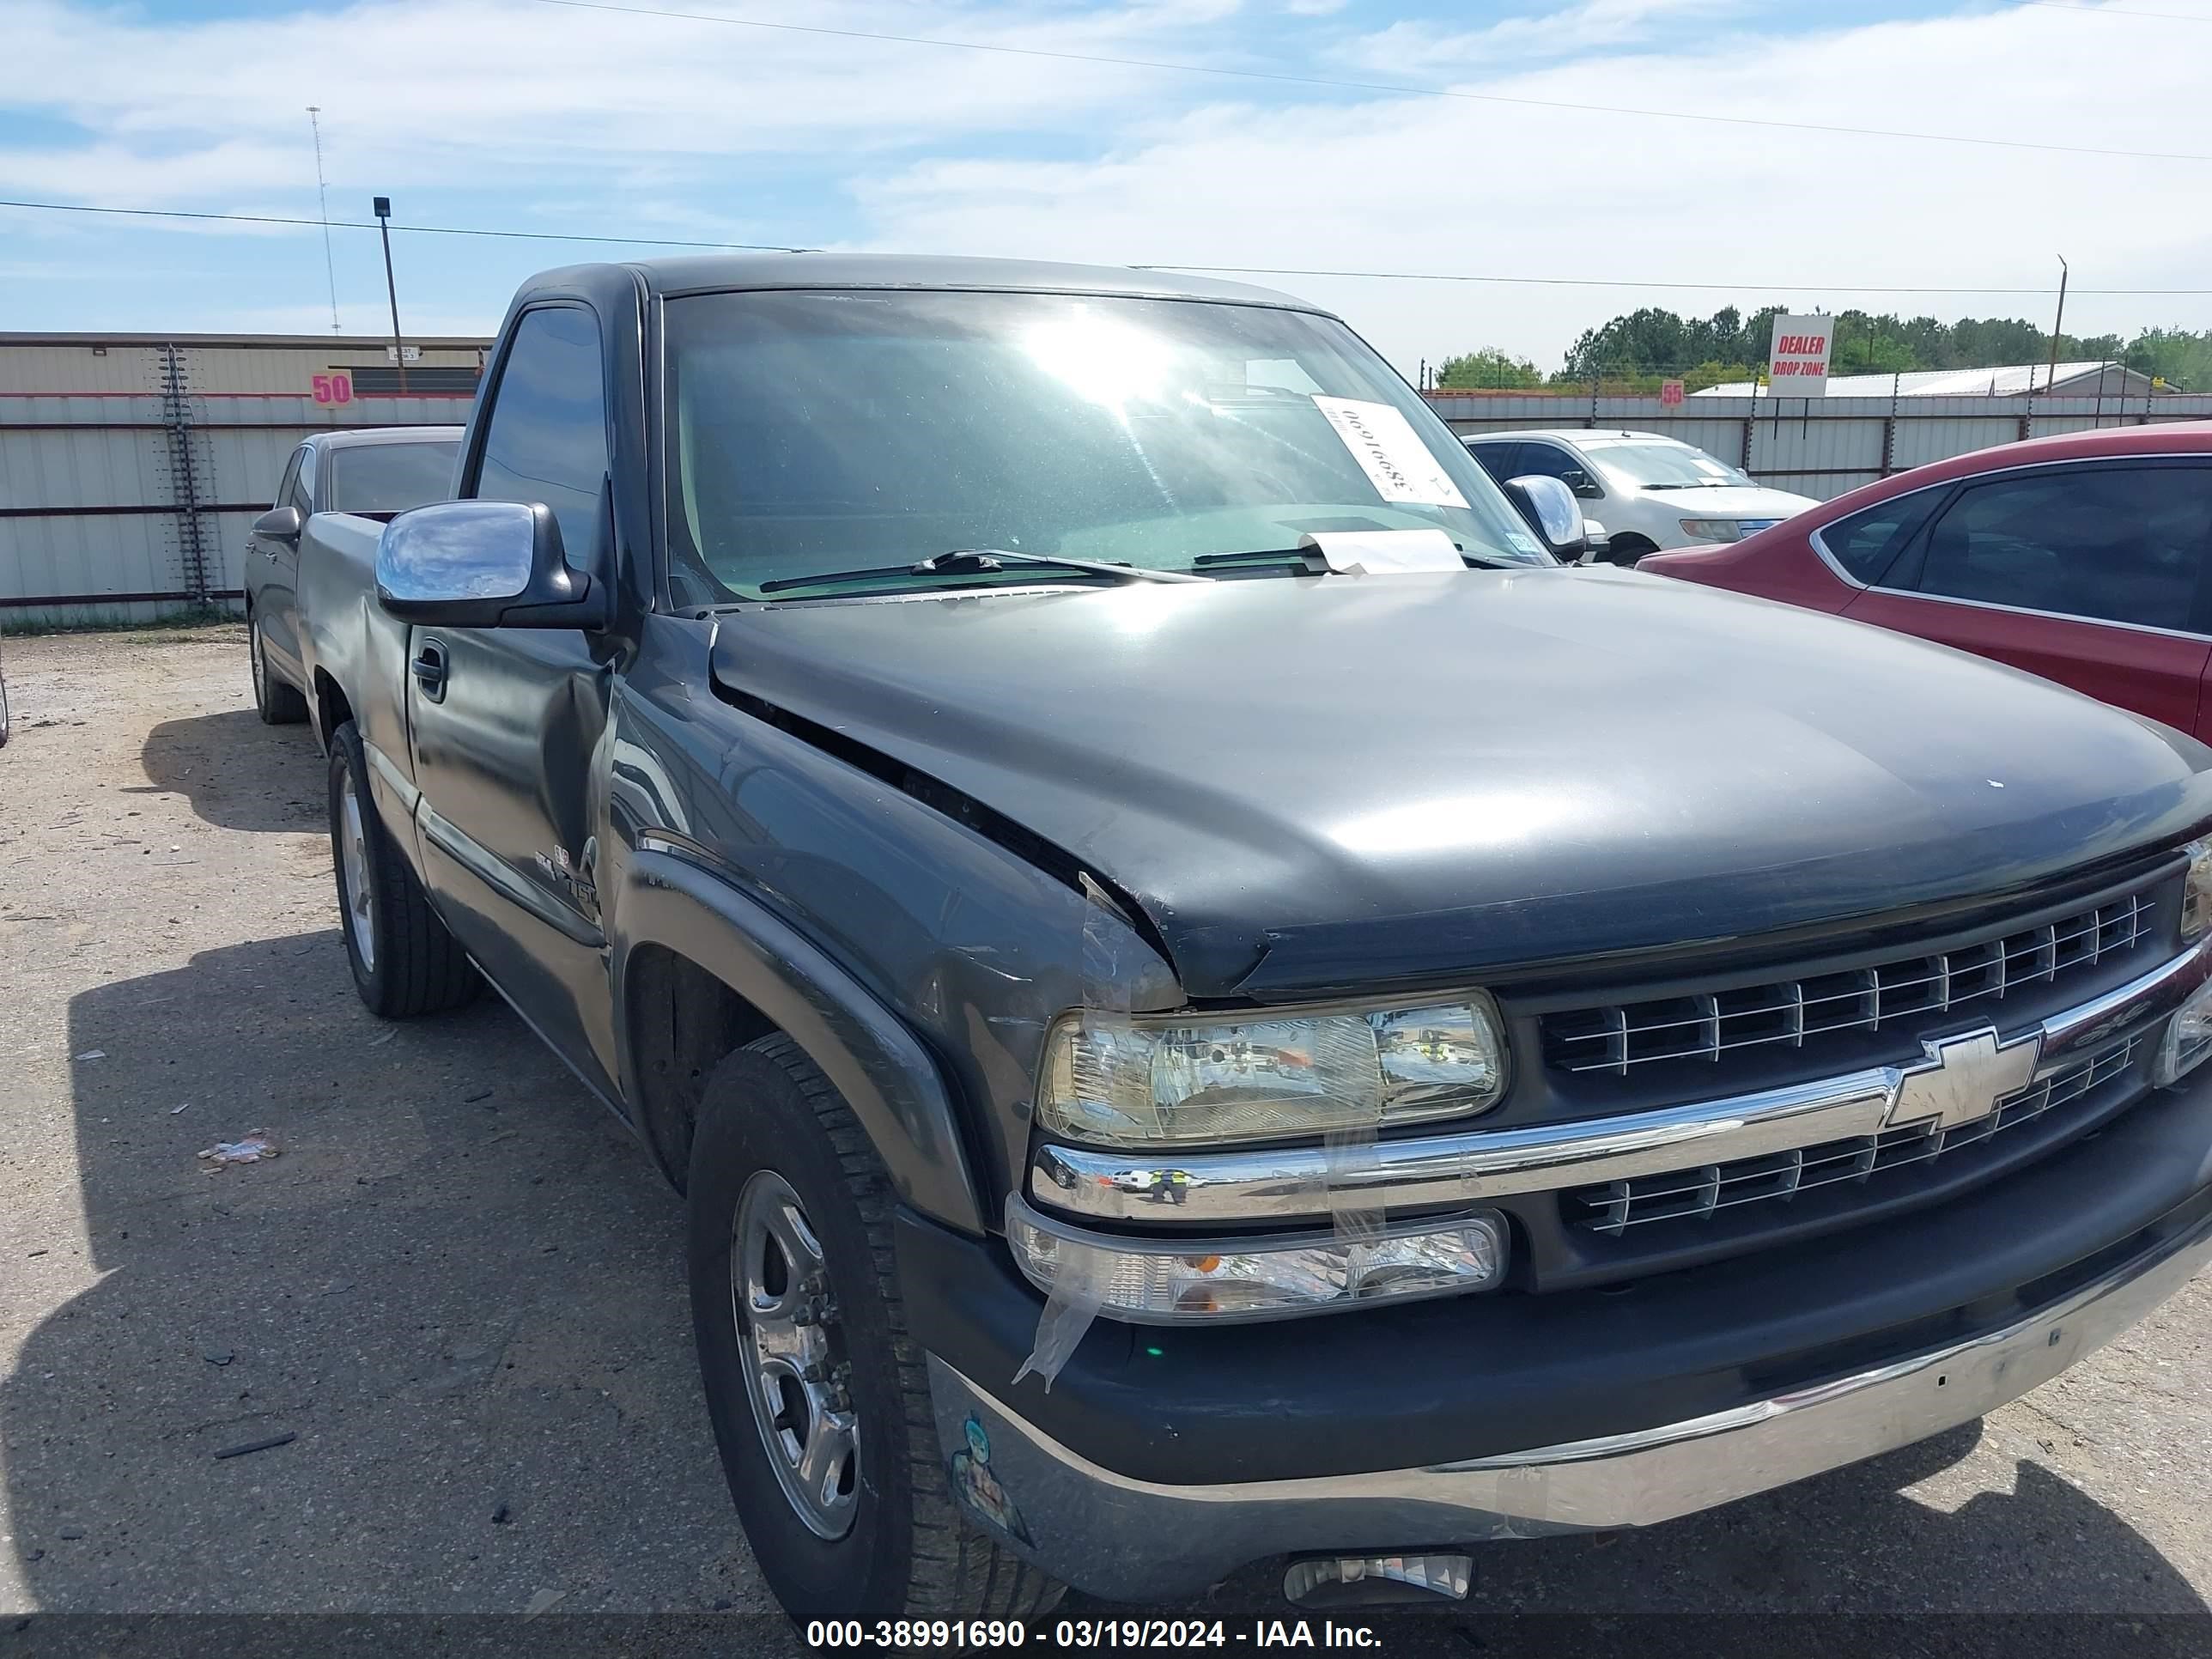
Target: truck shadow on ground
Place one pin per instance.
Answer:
(237, 773)
(460, 1290)
(460, 1286)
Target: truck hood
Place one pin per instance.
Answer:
(1308, 784)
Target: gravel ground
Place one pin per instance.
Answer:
(459, 1295)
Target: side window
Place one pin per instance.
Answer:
(303, 483)
(547, 440)
(2107, 543)
(1554, 462)
(1548, 460)
(1497, 460)
(1867, 543)
(287, 487)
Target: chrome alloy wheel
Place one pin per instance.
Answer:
(788, 1326)
(353, 844)
(254, 662)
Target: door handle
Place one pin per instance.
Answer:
(429, 669)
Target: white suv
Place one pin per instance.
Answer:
(1650, 491)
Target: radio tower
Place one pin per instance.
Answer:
(322, 195)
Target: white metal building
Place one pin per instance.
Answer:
(132, 465)
(2114, 381)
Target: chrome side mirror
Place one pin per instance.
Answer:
(1550, 508)
(484, 564)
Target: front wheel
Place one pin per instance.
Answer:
(404, 962)
(818, 1393)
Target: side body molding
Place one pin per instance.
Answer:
(880, 1066)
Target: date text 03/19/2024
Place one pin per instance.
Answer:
(915, 1633)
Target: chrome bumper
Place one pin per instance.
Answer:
(1293, 1183)
(1137, 1539)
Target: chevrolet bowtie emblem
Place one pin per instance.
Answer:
(1964, 1078)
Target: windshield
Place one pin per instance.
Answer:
(1629, 465)
(390, 478)
(821, 431)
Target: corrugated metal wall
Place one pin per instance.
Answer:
(1813, 446)
(100, 451)
(127, 486)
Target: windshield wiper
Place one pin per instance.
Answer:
(1306, 558)
(1310, 559)
(979, 560)
(1700, 483)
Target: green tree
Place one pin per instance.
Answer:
(2181, 359)
(1639, 349)
(1490, 369)
(1713, 372)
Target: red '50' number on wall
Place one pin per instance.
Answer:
(333, 388)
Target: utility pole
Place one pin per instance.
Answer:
(2057, 324)
(323, 196)
(383, 205)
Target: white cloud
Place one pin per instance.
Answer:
(429, 91)
(532, 116)
(1442, 185)
(1430, 48)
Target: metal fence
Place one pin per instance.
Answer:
(131, 469)
(1818, 446)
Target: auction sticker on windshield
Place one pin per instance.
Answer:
(1395, 460)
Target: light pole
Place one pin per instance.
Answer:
(383, 205)
(2056, 324)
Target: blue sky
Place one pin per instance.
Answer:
(526, 115)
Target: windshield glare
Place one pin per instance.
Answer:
(819, 431)
(1629, 465)
(391, 477)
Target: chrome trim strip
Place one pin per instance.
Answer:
(383, 769)
(2161, 990)
(472, 855)
(2031, 611)
(1114, 1535)
(1300, 1182)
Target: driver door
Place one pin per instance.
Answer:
(506, 722)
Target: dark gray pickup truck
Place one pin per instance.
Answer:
(1209, 1001)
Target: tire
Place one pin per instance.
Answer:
(893, 1545)
(1625, 551)
(279, 702)
(404, 962)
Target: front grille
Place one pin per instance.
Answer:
(1808, 1014)
(1700, 1193)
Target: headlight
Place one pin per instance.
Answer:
(1712, 529)
(2188, 1040)
(1150, 1281)
(2196, 891)
(1125, 1082)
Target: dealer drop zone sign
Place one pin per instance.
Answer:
(1797, 366)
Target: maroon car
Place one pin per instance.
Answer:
(2086, 558)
